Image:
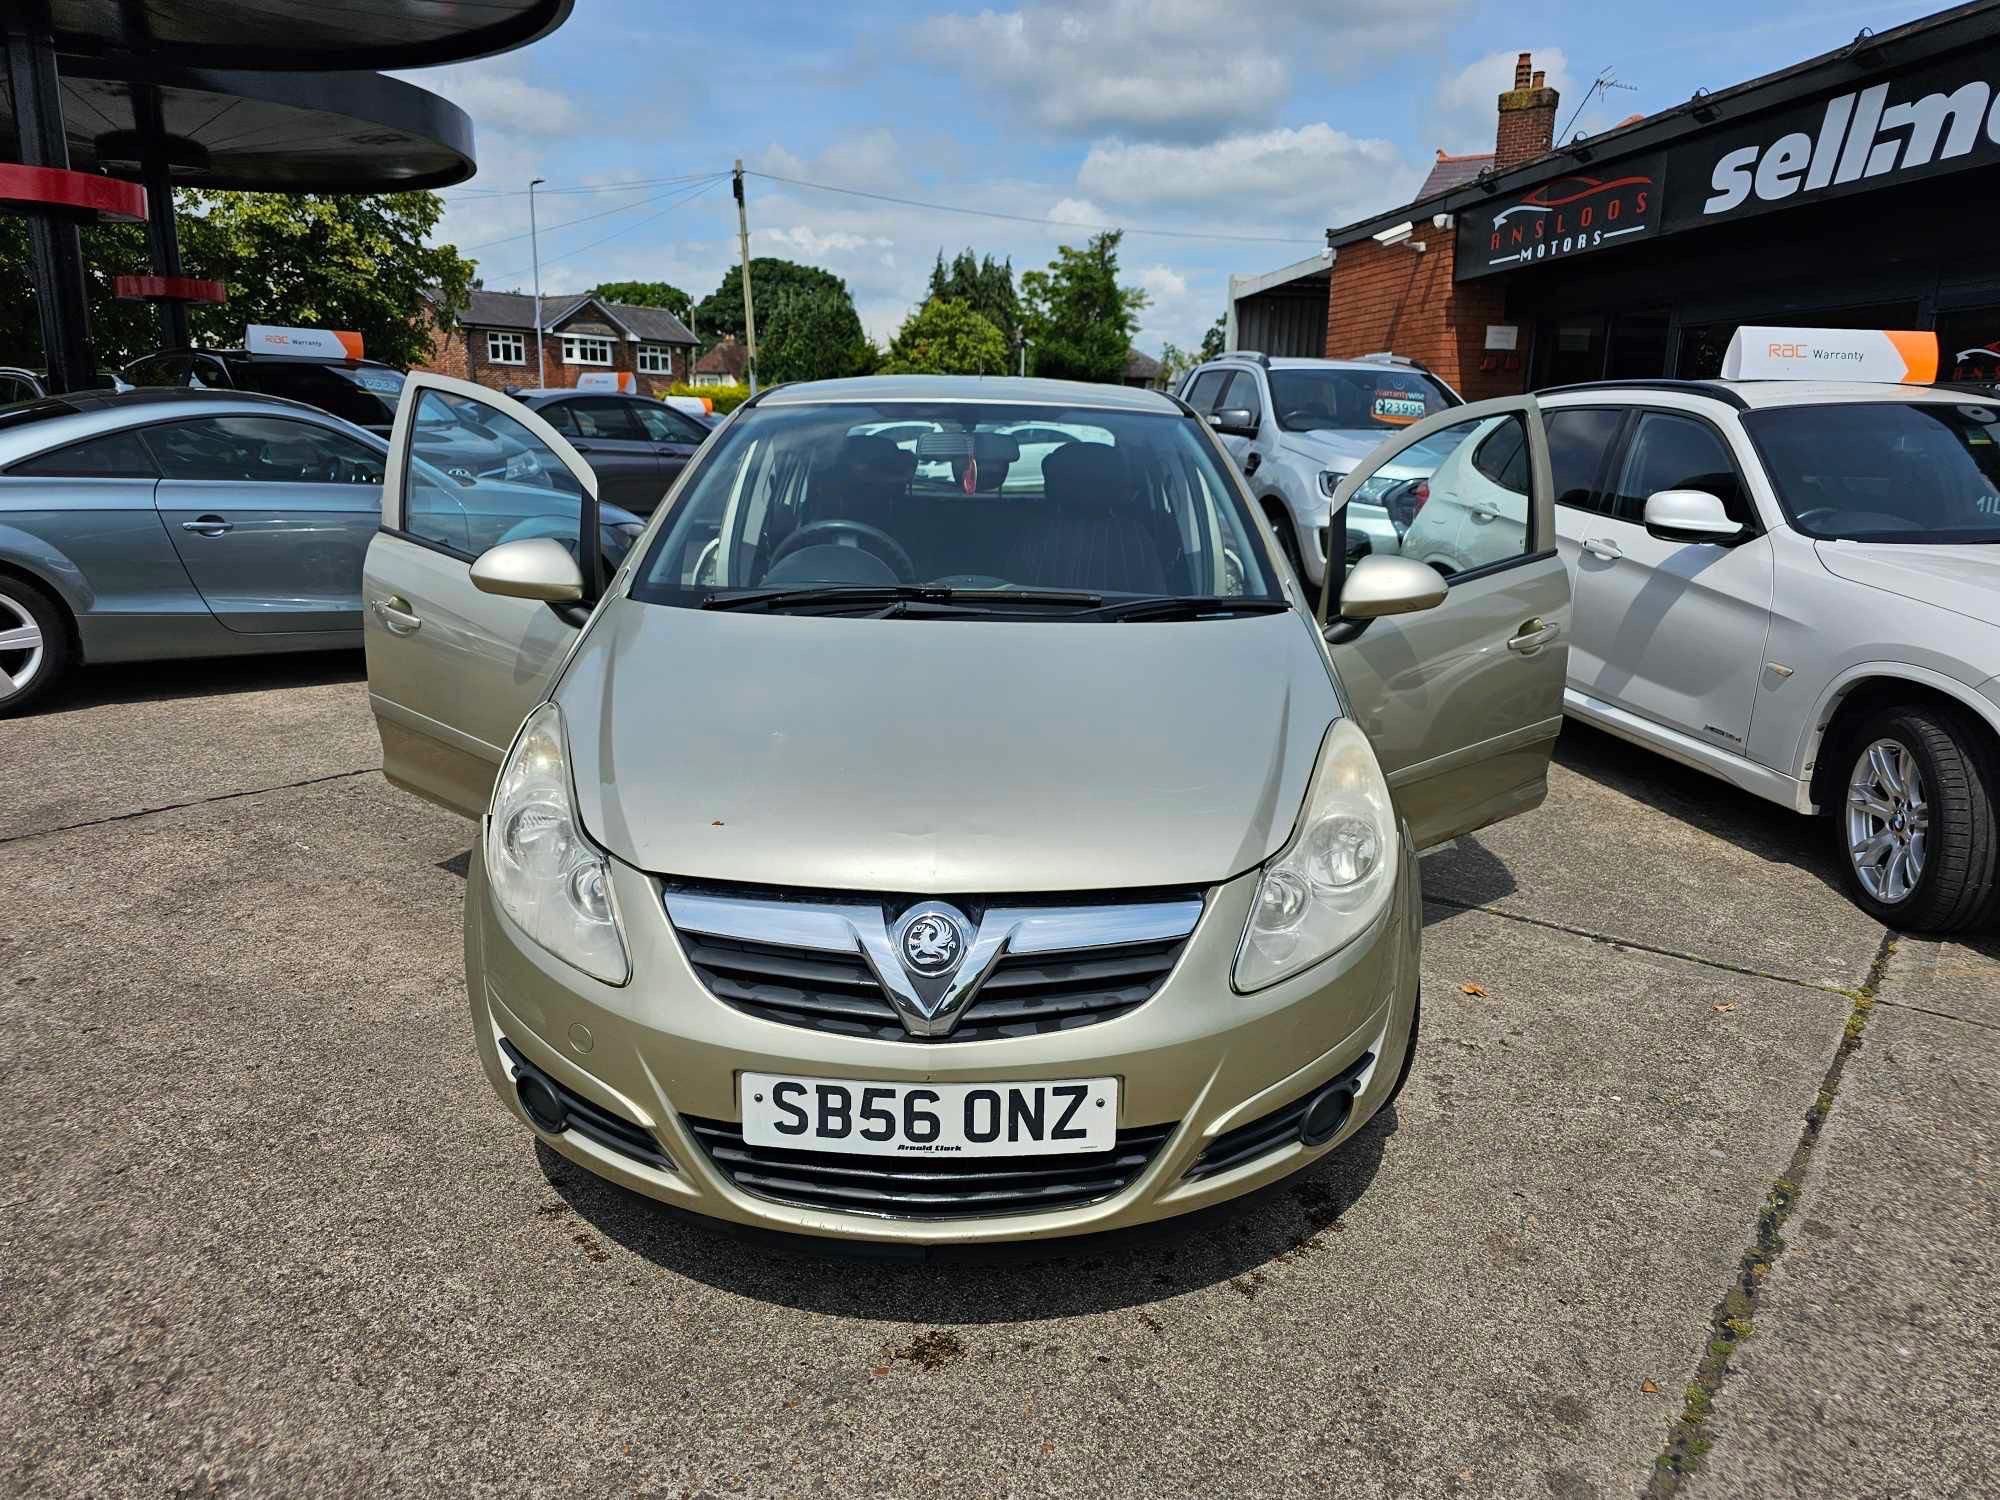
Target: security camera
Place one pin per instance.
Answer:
(1440, 221)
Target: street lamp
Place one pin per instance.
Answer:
(535, 247)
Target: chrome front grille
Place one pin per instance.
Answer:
(1028, 969)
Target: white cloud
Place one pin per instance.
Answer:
(499, 101)
(1167, 69)
(1076, 211)
(1162, 282)
(1310, 175)
(1466, 112)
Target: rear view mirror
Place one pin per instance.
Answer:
(1384, 585)
(536, 567)
(1234, 421)
(1690, 516)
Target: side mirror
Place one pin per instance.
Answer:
(536, 567)
(1384, 585)
(1234, 421)
(1690, 516)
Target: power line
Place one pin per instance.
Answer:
(584, 219)
(596, 187)
(687, 196)
(989, 213)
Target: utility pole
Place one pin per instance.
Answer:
(535, 248)
(743, 249)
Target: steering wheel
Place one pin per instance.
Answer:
(884, 546)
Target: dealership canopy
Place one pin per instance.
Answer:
(275, 132)
(311, 35)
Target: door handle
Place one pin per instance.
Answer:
(583, 447)
(1602, 549)
(208, 526)
(1531, 637)
(1482, 514)
(396, 616)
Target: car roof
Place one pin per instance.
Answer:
(1309, 362)
(987, 388)
(1747, 395)
(257, 357)
(30, 426)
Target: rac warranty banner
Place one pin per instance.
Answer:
(1904, 358)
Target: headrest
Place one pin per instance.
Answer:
(875, 458)
(1082, 473)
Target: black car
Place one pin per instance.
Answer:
(362, 391)
(637, 446)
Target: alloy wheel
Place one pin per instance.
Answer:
(1888, 821)
(22, 649)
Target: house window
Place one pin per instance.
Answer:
(506, 349)
(586, 351)
(656, 359)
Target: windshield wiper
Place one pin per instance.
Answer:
(872, 596)
(1188, 607)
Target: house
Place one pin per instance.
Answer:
(494, 342)
(728, 363)
(1141, 370)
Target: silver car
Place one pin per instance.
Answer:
(900, 847)
(178, 523)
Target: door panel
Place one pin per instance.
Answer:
(452, 671)
(630, 471)
(1463, 702)
(1672, 631)
(271, 517)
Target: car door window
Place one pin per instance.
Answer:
(116, 455)
(1468, 485)
(604, 418)
(1243, 393)
(534, 494)
(261, 450)
(1201, 395)
(1669, 451)
(1579, 439)
(665, 425)
(559, 416)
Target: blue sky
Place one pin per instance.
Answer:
(1267, 121)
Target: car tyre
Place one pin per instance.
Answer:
(1913, 816)
(41, 654)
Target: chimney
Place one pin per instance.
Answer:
(1527, 117)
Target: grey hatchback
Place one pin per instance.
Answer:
(179, 523)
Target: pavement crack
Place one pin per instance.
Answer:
(1735, 1319)
(1637, 946)
(166, 807)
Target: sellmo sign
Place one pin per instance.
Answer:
(1560, 219)
(1944, 117)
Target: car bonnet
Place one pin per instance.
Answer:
(942, 756)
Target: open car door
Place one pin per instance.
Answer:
(453, 671)
(1463, 701)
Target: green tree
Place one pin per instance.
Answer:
(646, 294)
(721, 311)
(1176, 362)
(809, 332)
(1078, 319)
(1211, 341)
(947, 337)
(983, 284)
(315, 260)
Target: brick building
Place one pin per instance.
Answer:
(494, 343)
(1851, 190)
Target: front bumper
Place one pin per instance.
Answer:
(1196, 1059)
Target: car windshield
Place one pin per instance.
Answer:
(1888, 471)
(1018, 506)
(1338, 400)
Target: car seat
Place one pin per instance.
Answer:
(1099, 532)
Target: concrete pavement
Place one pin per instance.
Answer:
(267, 1232)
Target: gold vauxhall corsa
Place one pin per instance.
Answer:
(949, 822)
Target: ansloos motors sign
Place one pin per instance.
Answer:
(1867, 137)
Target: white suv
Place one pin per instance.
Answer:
(1297, 427)
(1795, 586)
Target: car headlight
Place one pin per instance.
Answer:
(545, 874)
(1333, 880)
(1374, 488)
(1329, 481)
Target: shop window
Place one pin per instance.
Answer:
(1568, 350)
(1969, 344)
(1637, 349)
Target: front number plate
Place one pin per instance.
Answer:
(1045, 1118)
